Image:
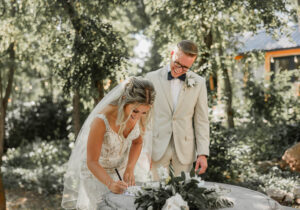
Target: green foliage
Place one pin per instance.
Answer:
(38, 166)
(98, 52)
(248, 155)
(268, 142)
(225, 147)
(46, 120)
(276, 101)
(270, 115)
(235, 153)
(214, 25)
(268, 123)
(197, 197)
(262, 178)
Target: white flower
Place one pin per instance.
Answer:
(190, 81)
(188, 178)
(151, 185)
(200, 184)
(133, 190)
(200, 181)
(175, 202)
(162, 173)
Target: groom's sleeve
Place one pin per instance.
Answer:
(201, 123)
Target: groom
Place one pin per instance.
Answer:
(180, 126)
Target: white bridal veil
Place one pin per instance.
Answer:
(72, 177)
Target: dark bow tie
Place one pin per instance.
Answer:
(181, 77)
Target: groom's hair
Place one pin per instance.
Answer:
(188, 47)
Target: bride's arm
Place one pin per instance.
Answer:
(134, 154)
(94, 146)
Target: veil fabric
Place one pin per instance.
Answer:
(73, 193)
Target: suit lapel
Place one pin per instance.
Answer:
(181, 95)
(165, 87)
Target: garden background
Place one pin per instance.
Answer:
(58, 58)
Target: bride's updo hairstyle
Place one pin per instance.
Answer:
(137, 91)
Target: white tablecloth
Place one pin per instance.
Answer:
(243, 198)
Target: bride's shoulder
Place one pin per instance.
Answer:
(109, 110)
(109, 113)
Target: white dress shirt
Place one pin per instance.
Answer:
(176, 85)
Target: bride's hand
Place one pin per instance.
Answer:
(129, 176)
(117, 187)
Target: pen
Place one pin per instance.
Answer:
(118, 174)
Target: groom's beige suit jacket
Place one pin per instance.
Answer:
(188, 122)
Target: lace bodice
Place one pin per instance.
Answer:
(114, 155)
(115, 149)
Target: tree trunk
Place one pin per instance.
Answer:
(203, 59)
(75, 20)
(3, 107)
(228, 98)
(2, 192)
(298, 11)
(100, 89)
(227, 93)
(51, 85)
(2, 118)
(76, 112)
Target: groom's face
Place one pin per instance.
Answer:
(180, 63)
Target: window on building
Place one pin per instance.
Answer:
(285, 63)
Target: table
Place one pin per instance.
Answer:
(245, 199)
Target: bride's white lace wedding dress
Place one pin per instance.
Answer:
(81, 189)
(114, 154)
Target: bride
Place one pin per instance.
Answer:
(109, 143)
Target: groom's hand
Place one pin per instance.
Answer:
(202, 162)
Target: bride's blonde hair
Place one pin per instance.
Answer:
(137, 91)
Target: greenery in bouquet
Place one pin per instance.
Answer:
(189, 186)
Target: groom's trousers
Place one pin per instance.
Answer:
(170, 157)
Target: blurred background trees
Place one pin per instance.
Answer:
(59, 58)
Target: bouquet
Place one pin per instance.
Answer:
(185, 192)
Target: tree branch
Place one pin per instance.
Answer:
(143, 12)
(72, 14)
